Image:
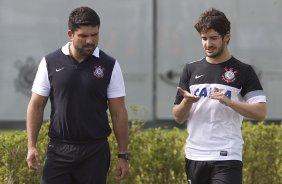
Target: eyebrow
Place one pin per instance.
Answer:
(214, 36)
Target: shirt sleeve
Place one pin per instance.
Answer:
(183, 83)
(252, 90)
(116, 87)
(41, 84)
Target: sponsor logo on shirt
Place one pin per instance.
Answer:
(229, 75)
(98, 71)
(204, 92)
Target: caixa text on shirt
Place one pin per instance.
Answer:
(204, 92)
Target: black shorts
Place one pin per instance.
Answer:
(76, 163)
(214, 172)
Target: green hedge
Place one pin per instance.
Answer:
(157, 155)
(262, 154)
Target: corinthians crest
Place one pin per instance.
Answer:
(229, 75)
(99, 72)
(26, 74)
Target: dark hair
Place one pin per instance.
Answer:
(83, 16)
(213, 19)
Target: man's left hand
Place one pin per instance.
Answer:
(122, 169)
(217, 95)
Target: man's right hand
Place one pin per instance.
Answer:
(188, 96)
(32, 159)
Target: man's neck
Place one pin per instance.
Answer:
(220, 59)
(74, 55)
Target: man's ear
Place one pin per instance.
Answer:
(227, 36)
(70, 34)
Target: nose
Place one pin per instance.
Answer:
(208, 43)
(90, 40)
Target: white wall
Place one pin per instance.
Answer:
(255, 39)
(30, 29)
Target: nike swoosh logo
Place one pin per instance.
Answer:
(198, 76)
(57, 70)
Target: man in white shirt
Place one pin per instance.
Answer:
(213, 95)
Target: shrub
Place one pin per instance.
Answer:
(262, 154)
(157, 155)
(13, 150)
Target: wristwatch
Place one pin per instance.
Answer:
(125, 156)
